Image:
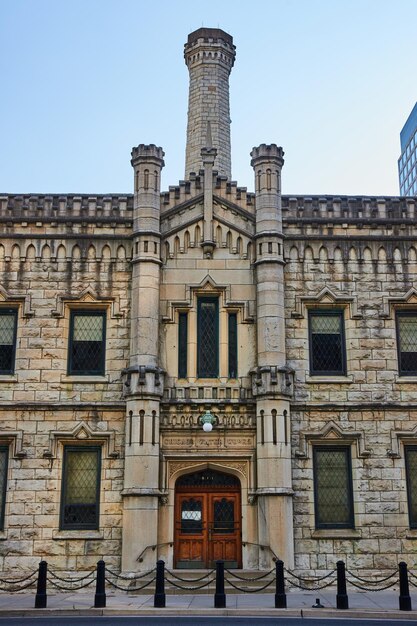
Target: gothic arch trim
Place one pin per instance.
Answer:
(80, 433)
(87, 296)
(325, 297)
(331, 433)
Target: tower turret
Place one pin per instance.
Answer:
(209, 54)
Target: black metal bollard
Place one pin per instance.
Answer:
(100, 597)
(159, 597)
(405, 599)
(41, 598)
(280, 597)
(219, 596)
(342, 601)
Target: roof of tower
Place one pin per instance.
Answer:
(209, 33)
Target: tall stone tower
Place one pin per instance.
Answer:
(209, 54)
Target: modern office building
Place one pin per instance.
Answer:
(208, 372)
(407, 163)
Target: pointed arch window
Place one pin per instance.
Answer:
(208, 337)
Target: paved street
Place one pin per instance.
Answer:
(202, 621)
(366, 608)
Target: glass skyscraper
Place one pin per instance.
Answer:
(407, 163)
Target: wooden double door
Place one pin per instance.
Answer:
(208, 524)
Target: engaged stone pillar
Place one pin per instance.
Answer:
(143, 379)
(272, 381)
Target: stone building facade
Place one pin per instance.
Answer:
(286, 326)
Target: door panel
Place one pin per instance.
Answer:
(224, 529)
(190, 531)
(207, 529)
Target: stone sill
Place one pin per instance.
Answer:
(334, 380)
(84, 379)
(3, 535)
(78, 534)
(405, 379)
(8, 378)
(336, 533)
(411, 533)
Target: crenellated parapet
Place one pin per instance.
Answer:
(348, 209)
(67, 208)
(187, 190)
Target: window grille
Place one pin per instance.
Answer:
(327, 343)
(87, 342)
(208, 338)
(411, 474)
(333, 494)
(8, 325)
(182, 344)
(407, 342)
(233, 345)
(4, 462)
(80, 488)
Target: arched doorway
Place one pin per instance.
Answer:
(207, 520)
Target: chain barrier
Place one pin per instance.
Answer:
(62, 588)
(372, 581)
(244, 590)
(362, 588)
(70, 580)
(16, 581)
(312, 579)
(21, 588)
(190, 580)
(251, 580)
(112, 584)
(317, 588)
(412, 575)
(131, 577)
(174, 584)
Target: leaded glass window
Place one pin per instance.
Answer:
(224, 516)
(327, 343)
(4, 459)
(232, 345)
(208, 338)
(411, 473)
(182, 344)
(8, 323)
(87, 342)
(333, 494)
(80, 488)
(407, 342)
(191, 516)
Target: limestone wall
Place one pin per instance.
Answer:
(47, 267)
(371, 409)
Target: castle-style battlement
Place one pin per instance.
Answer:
(349, 209)
(55, 207)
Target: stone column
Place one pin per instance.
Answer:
(209, 54)
(143, 379)
(272, 381)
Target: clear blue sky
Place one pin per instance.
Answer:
(82, 81)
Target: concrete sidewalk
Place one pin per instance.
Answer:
(380, 604)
